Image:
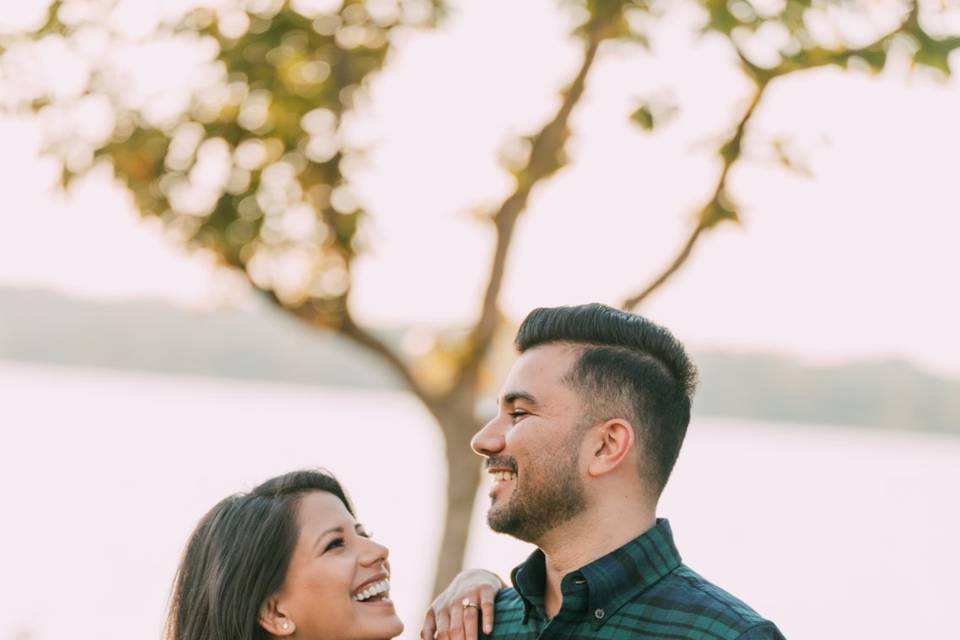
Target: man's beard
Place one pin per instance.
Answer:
(552, 494)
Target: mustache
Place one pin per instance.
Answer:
(502, 462)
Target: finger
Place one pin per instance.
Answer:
(429, 626)
(470, 622)
(456, 621)
(487, 607)
(443, 624)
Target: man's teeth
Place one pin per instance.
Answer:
(373, 590)
(503, 476)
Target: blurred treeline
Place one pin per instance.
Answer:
(38, 326)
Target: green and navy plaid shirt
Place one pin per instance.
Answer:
(640, 590)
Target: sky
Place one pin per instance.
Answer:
(857, 259)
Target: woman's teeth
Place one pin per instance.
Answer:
(373, 590)
(503, 476)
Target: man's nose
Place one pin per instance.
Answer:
(489, 440)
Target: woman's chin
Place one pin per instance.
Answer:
(390, 628)
(383, 624)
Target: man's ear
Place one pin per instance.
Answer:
(611, 442)
(274, 620)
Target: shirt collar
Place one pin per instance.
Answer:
(610, 581)
(530, 580)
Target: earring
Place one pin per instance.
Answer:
(285, 626)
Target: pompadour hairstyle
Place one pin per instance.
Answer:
(630, 368)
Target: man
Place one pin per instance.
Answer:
(590, 422)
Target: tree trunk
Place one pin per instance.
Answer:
(463, 480)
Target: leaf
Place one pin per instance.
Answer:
(722, 208)
(931, 55)
(643, 116)
(874, 58)
(654, 112)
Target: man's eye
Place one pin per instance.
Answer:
(335, 543)
(517, 414)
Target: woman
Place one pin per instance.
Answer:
(287, 559)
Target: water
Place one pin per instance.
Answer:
(832, 532)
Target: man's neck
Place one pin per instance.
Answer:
(586, 538)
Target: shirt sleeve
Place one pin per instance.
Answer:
(765, 631)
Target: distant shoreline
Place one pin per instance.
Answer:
(265, 346)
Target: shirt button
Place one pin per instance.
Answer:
(598, 614)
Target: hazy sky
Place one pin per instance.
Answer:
(857, 260)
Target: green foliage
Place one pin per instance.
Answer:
(287, 76)
(282, 209)
(741, 20)
(747, 22)
(286, 204)
(654, 112)
(643, 116)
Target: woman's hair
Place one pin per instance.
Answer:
(238, 557)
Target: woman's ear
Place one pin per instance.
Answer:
(274, 620)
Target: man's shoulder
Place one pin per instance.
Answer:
(684, 601)
(509, 616)
(508, 598)
(681, 605)
(507, 602)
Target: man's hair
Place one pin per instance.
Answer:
(238, 556)
(628, 368)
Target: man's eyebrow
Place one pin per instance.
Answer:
(324, 534)
(513, 396)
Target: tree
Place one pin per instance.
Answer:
(250, 165)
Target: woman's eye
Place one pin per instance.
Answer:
(335, 543)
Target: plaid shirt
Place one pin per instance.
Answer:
(640, 590)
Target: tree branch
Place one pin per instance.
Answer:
(334, 315)
(715, 211)
(545, 159)
(634, 301)
(717, 208)
(815, 57)
(361, 336)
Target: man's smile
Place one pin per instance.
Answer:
(503, 480)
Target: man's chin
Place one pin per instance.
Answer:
(501, 519)
(497, 520)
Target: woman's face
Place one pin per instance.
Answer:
(336, 586)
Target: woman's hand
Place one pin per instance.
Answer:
(450, 619)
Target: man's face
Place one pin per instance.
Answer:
(533, 445)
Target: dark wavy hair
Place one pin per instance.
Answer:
(237, 557)
(629, 368)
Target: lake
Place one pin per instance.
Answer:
(832, 532)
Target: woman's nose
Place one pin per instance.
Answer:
(374, 553)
